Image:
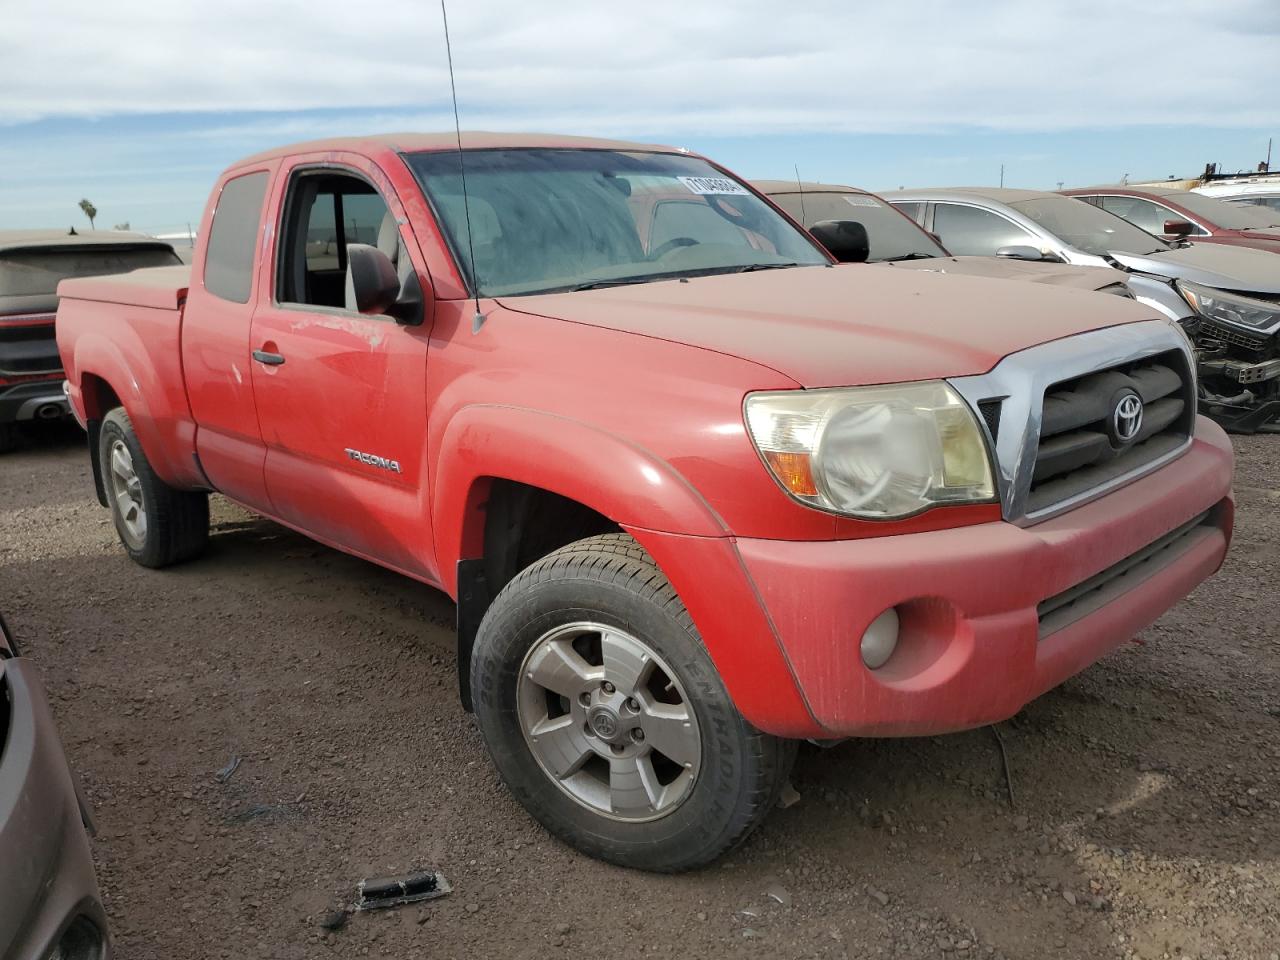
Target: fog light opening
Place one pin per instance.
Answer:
(880, 639)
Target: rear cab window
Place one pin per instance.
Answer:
(233, 237)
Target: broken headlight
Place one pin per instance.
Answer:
(874, 452)
(1231, 308)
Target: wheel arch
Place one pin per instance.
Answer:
(499, 508)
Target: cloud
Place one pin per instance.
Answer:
(747, 67)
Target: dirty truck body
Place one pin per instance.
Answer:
(698, 493)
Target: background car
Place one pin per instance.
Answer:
(32, 262)
(1263, 191)
(49, 901)
(894, 238)
(1228, 298)
(1175, 214)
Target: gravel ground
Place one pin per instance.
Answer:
(1147, 790)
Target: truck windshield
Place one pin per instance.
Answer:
(1087, 228)
(890, 234)
(547, 220)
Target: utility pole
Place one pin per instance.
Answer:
(1002, 175)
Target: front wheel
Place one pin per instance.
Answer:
(158, 524)
(607, 719)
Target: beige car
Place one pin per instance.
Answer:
(897, 241)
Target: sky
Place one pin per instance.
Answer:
(138, 105)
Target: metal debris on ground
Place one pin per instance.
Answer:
(225, 774)
(1004, 759)
(382, 892)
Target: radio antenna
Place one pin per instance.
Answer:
(477, 321)
(799, 186)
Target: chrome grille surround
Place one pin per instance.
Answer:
(1020, 380)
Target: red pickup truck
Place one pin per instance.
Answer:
(697, 493)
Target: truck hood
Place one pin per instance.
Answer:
(1003, 268)
(843, 326)
(1212, 264)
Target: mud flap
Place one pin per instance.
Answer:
(473, 600)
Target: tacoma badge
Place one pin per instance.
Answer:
(373, 460)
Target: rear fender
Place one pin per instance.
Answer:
(157, 409)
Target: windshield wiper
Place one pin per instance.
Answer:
(618, 282)
(752, 267)
(910, 256)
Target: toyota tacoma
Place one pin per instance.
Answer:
(698, 492)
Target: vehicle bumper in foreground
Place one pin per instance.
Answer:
(991, 615)
(33, 400)
(50, 895)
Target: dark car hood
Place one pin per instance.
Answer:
(1004, 268)
(1212, 264)
(843, 326)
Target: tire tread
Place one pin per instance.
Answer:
(617, 559)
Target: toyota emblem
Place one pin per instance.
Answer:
(1127, 418)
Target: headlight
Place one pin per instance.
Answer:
(874, 452)
(1231, 308)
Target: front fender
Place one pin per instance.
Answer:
(628, 484)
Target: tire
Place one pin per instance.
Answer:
(603, 593)
(174, 523)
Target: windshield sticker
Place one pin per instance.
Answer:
(714, 187)
(855, 201)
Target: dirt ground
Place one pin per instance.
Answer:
(1147, 791)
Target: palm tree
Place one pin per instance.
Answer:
(90, 211)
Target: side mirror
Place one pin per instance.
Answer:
(1178, 228)
(374, 287)
(846, 240)
(1018, 251)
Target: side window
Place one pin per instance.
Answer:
(1146, 214)
(970, 232)
(233, 238)
(912, 208)
(324, 213)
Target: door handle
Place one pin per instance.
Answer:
(270, 359)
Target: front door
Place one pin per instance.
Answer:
(341, 396)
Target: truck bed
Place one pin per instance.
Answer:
(160, 287)
(127, 329)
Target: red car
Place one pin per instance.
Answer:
(698, 494)
(1175, 214)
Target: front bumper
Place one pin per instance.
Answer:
(33, 400)
(973, 647)
(48, 890)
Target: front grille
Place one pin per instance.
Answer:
(1080, 447)
(1230, 335)
(1065, 608)
(28, 347)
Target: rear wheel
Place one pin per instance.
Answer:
(158, 524)
(607, 719)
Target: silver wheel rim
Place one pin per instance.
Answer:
(608, 722)
(126, 491)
